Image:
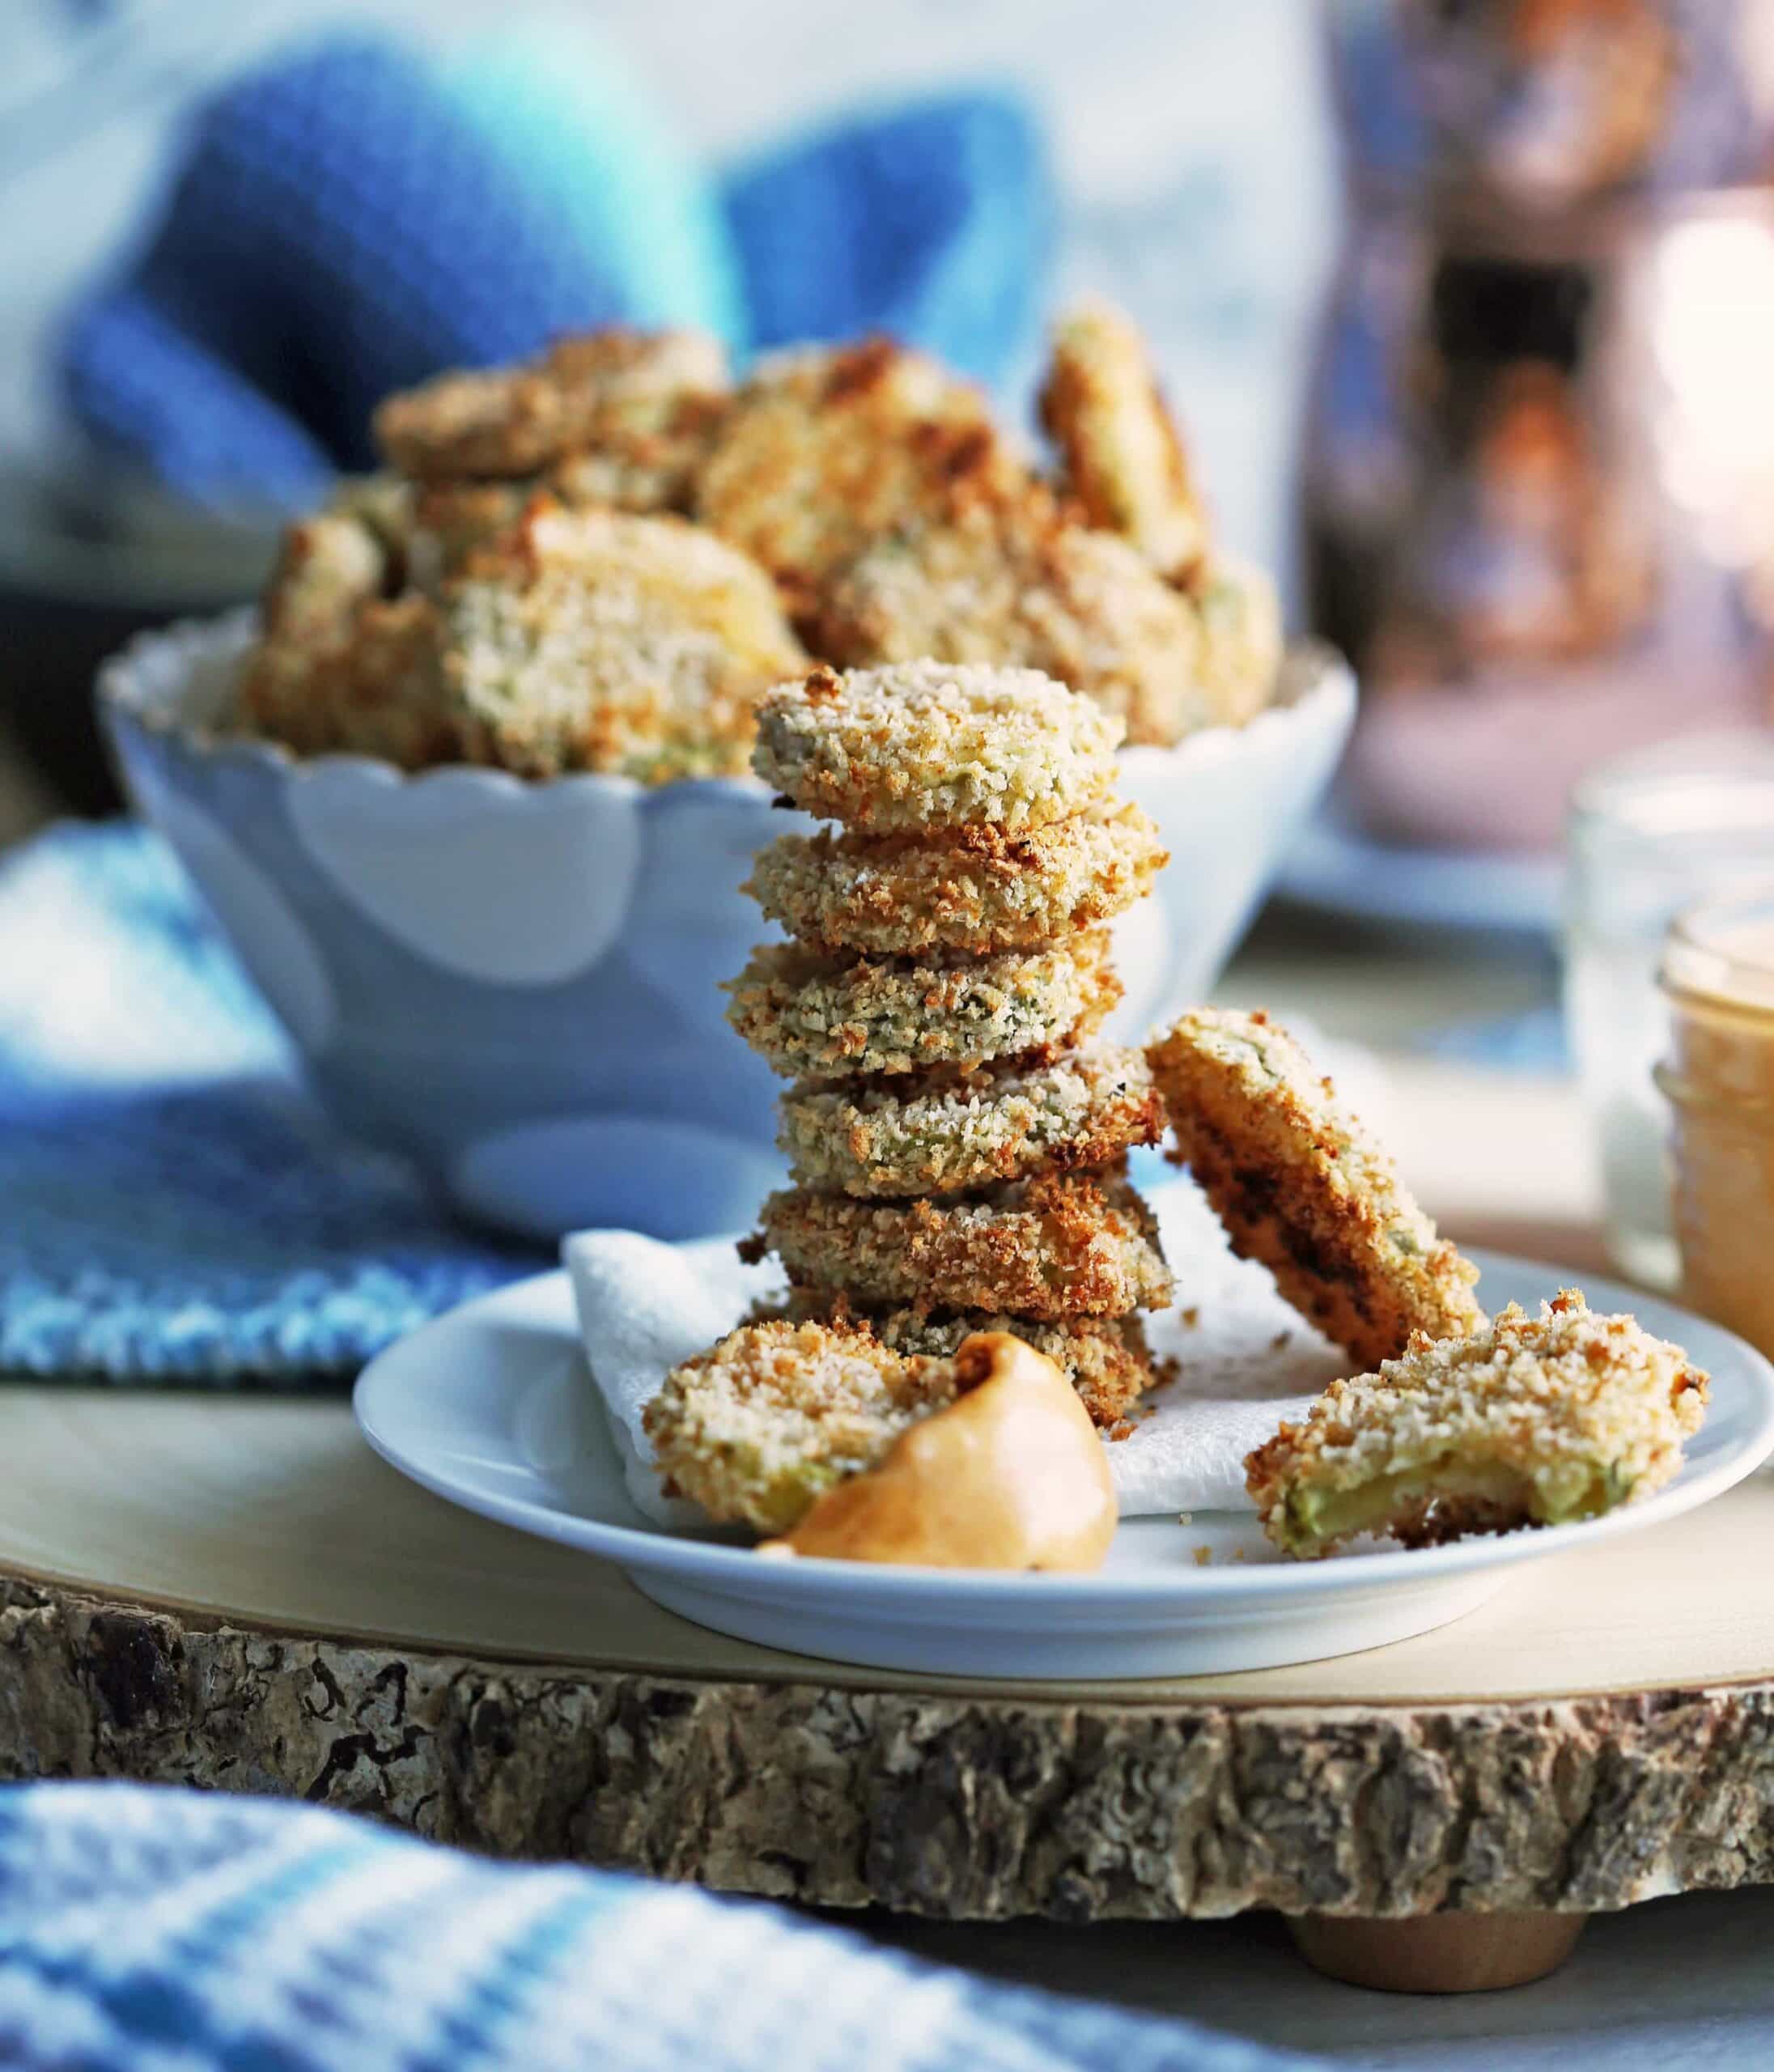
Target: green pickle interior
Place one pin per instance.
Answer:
(1559, 1495)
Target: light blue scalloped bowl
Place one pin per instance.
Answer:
(517, 984)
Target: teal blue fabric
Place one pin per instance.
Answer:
(561, 95)
(932, 222)
(357, 213)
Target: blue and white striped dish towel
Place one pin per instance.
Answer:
(145, 1930)
(173, 1206)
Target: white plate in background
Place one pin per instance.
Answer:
(1335, 868)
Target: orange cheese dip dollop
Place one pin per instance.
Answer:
(1012, 1475)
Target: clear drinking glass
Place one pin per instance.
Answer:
(1655, 833)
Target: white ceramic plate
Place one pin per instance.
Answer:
(492, 1408)
(1335, 868)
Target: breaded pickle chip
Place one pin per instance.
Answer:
(1123, 457)
(346, 554)
(638, 407)
(925, 746)
(345, 664)
(816, 1016)
(1238, 657)
(1107, 1359)
(1058, 1245)
(760, 1426)
(374, 687)
(828, 448)
(944, 1131)
(596, 640)
(1302, 1186)
(1529, 1422)
(1083, 606)
(980, 892)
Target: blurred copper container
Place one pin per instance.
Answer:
(1538, 473)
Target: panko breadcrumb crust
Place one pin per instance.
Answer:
(1057, 1245)
(1081, 605)
(1301, 1186)
(815, 1017)
(598, 640)
(592, 640)
(870, 485)
(827, 449)
(640, 407)
(926, 745)
(760, 1425)
(1530, 1420)
(1107, 1359)
(374, 687)
(1239, 652)
(1122, 455)
(977, 892)
(943, 1131)
(343, 657)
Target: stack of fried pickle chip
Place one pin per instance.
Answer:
(957, 1127)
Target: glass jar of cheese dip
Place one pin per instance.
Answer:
(1651, 837)
(1717, 975)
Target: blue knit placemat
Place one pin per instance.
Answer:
(173, 1205)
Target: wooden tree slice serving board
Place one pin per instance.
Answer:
(233, 1592)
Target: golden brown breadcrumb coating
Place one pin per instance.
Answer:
(941, 1131)
(592, 640)
(1107, 1359)
(978, 892)
(1239, 654)
(811, 1016)
(1081, 605)
(926, 745)
(1122, 455)
(762, 1424)
(636, 408)
(1529, 1422)
(828, 448)
(596, 640)
(344, 664)
(1300, 1185)
(335, 561)
(1060, 1245)
(452, 518)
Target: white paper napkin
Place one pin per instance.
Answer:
(1248, 1360)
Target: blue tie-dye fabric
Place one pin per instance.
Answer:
(173, 1205)
(359, 212)
(146, 1930)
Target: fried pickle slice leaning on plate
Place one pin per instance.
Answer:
(1301, 1186)
(1529, 1422)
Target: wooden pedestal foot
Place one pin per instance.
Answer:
(1436, 1952)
